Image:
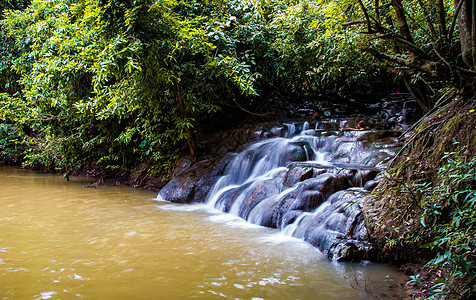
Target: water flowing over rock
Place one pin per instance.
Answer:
(309, 183)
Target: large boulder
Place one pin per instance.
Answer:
(262, 213)
(309, 194)
(193, 184)
(259, 191)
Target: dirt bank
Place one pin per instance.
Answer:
(395, 209)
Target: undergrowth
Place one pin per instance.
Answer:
(423, 214)
(12, 144)
(448, 218)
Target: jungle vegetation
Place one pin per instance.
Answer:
(118, 84)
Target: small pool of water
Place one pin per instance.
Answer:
(62, 240)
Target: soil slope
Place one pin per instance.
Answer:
(393, 213)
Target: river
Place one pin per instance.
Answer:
(62, 240)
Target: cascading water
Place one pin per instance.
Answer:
(310, 183)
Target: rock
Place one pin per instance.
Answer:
(226, 200)
(377, 135)
(371, 185)
(298, 200)
(289, 217)
(328, 183)
(298, 151)
(336, 222)
(258, 192)
(242, 199)
(262, 213)
(307, 196)
(182, 164)
(350, 250)
(193, 184)
(298, 173)
(360, 177)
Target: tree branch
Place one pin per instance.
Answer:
(353, 23)
(445, 61)
(417, 99)
(409, 45)
(366, 15)
(383, 56)
(467, 72)
(441, 18)
(422, 65)
(453, 22)
(402, 21)
(377, 11)
(242, 108)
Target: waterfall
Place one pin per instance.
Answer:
(308, 181)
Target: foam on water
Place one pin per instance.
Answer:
(184, 207)
(232, 221)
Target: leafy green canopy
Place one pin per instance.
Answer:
(13, 4)
(313, 48)
(123, 82)
(119, 82)
(111, 80)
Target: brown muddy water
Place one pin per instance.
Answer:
(61, 240)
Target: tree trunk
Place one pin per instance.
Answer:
(402, 21)
(441, 18)
(473, 33)
(465, 20)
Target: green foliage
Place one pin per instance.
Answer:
(120, 82)
(313, 47)
(419, 40)
(12, 144)
(454, 202)
(112, 83)
(448, 221)
(13, 4)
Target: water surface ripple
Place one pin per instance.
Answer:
(60, 240)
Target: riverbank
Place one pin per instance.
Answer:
(422, 215)
(218, 144)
